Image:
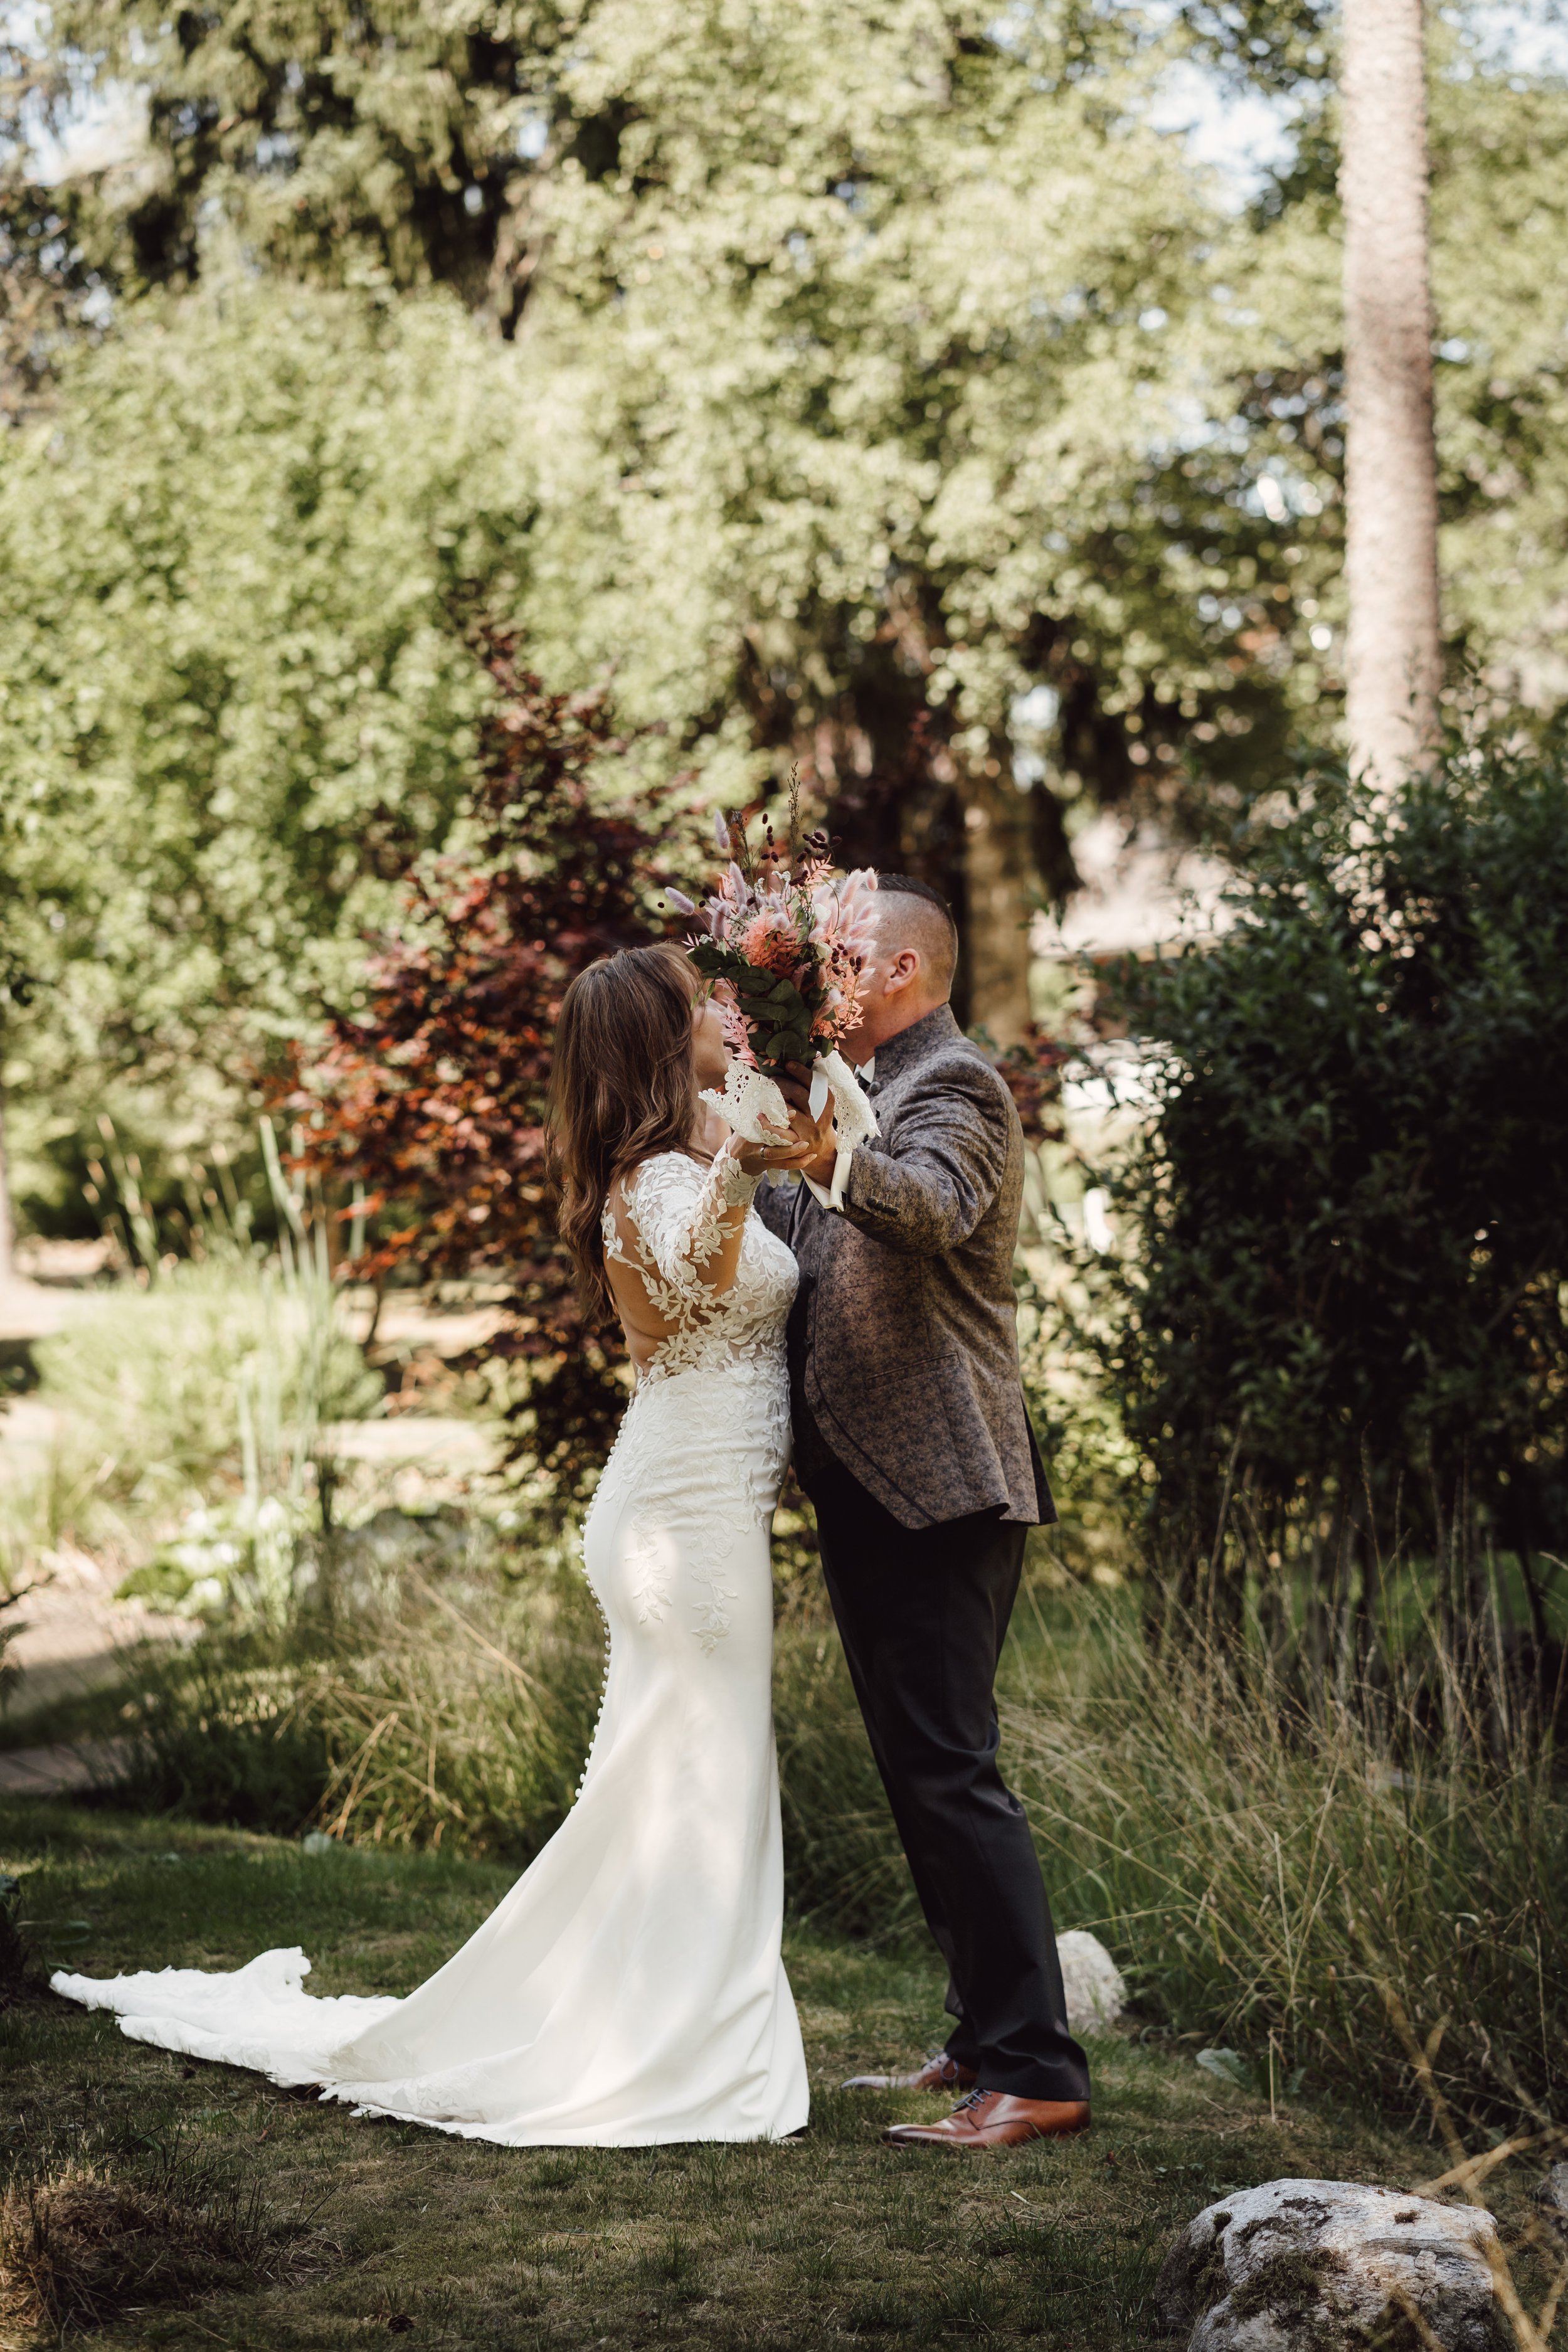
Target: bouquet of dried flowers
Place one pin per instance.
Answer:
(786, 942)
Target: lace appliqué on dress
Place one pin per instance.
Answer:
(677, 1216)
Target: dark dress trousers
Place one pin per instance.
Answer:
(913, 1442)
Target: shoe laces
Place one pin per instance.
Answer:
(975, 2099)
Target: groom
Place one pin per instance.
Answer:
(911, 1439)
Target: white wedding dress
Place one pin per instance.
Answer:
(629, 1990)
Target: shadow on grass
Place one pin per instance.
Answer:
(828, 2239)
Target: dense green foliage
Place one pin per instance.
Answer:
(235, 568)
(1346, 1325)
(872, 371)
(911, 241)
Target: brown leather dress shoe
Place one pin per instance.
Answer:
(994, 2119)
(939, 2074)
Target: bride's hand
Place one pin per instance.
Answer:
(796, 1146)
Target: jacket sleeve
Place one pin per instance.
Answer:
(923, 1188)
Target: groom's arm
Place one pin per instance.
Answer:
(925, 1187)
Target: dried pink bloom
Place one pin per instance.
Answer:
(812, 928)
(769, 941)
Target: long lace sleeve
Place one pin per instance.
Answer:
(672, 1228)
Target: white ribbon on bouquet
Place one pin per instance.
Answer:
(754, 1107)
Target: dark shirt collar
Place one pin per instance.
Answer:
(896, 1054)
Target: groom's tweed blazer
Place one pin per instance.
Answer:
(903, 1342)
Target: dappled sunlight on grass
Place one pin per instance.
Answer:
(827, 2240)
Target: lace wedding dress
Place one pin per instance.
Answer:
(629, 1990)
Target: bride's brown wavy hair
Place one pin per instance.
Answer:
(622, 1086)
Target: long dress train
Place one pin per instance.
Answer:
(629, 1990)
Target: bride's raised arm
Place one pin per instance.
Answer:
(677, 1226)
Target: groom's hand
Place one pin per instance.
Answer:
(815, 1132)
(794, 1084)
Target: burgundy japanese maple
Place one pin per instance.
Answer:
(430, 1097)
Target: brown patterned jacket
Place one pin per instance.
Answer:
(903, 1342)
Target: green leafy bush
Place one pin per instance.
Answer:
(240, 698)
(1344, 1338)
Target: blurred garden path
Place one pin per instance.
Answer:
(72, 1627)
(55, 1770)
(29, 1311)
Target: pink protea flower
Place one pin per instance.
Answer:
(770, 941)
(857, 911)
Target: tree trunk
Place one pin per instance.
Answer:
(8, 1231)
(1392, 653)
(998, 870)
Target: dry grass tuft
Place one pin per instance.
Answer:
(81, 2247)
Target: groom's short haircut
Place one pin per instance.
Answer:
(912, 914)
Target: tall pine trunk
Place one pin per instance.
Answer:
(1000, 891)
(1392, 655)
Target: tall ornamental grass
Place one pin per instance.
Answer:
(449, 1700)
(171, 1388)
(419, 1701)
(1294, 1883)
(1299, 1887)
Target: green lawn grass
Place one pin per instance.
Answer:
(828, 2239)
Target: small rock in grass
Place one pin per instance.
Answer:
(1092, 1981)
(1553, 2196)
(1335, 2266)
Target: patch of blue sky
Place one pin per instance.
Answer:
(1525, 38)
(1245, 137)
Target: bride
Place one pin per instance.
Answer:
(629, 1990)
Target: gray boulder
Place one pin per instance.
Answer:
(1328, 2265)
